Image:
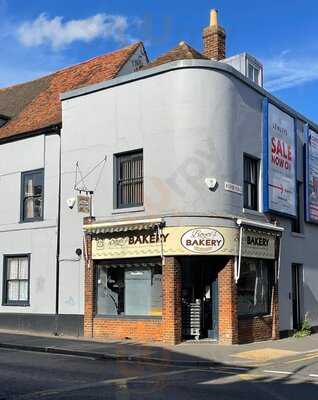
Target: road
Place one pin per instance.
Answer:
(28, 375)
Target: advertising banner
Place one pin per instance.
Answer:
(312, 177)
(279, 162)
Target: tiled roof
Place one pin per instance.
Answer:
(181, 52)
(36, 105)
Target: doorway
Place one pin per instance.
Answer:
(199, 298)
(296, 294)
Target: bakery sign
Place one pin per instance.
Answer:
(184, 240)
(202, 240)
(258, 244)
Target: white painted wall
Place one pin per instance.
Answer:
(39, 239)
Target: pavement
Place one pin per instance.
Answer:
(186, 354)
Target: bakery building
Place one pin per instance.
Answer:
(201, 227)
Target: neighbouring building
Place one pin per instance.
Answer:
(199, 193)
(31, 269)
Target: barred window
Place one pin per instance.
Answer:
(32, 195)
(16, 280)
(129, 179)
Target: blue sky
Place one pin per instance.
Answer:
(41, 36)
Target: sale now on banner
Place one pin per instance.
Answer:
(312, 177)
(280, 186)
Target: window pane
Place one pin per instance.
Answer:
(23, 293)
(110, 291)
(250, 72)
(253, 288)
(13, 290)
(137, 291)
(32, 196)
(23, 268)
(256, 75)
(131, 289)
(12, 272)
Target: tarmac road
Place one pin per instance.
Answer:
(30, 375)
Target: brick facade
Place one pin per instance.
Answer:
(228, 329)
(168, 328)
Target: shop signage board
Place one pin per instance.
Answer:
(279, 161)
(312, 177)
(186, 240)
(258, 245)
(83, 204)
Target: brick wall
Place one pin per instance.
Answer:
(228, 328)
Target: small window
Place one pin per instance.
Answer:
(298, 222)
(129, 289)
(250, 183)
(32, 196)
(254, 287)
(16, 280)
(129, 179)
(253, 73)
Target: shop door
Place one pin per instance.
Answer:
(210, 305)
(296, 280)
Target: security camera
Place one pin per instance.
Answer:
(71, 202)
(211, 183)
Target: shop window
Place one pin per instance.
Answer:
(250, 183)
(129, 179)
(254, 288)
(131, 289)
(32, 195)
(16, 280)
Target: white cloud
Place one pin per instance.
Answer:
(289, 70)
(59, 33)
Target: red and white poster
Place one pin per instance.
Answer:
(281, 152)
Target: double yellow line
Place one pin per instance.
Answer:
(309, 356)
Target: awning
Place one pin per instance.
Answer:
(123, 226)
(255, 226)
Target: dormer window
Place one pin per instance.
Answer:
(253, 73)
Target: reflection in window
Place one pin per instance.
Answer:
(254, 288)
(129, 289)
(32, 195)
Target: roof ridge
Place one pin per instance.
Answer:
(132, 46)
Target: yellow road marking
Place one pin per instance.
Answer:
(309, 357)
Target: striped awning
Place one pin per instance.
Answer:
(122, 226)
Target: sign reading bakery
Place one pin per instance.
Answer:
(258, 245)
(185, 240)
(202, 240)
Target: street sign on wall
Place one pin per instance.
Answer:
(279, 161)
(312, 177)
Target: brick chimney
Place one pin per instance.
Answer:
(214, 39)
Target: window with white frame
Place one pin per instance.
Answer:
(253, 73)
(16, 276)
(32, 195)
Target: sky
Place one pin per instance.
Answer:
(41, 36)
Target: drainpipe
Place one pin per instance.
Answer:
(57, 278)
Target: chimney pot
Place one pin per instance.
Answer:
(214, 17)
